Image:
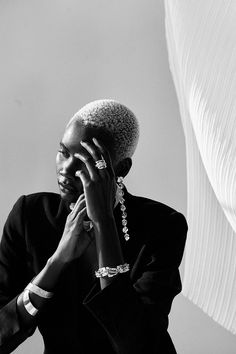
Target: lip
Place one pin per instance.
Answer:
(66, 187)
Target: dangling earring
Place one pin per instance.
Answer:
(120, 187)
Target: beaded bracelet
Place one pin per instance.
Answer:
(111, 271)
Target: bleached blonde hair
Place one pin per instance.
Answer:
(115, 119)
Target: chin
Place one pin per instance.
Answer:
(69, 197)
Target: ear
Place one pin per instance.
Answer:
(123, 167)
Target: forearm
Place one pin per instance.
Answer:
(109, 250)
(47, 279)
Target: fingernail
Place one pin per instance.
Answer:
(77, 173)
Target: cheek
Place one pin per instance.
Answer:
(58, 163)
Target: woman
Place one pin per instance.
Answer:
(95, 268)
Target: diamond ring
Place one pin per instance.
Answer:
(100, 164)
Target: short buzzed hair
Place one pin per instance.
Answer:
(115, 119)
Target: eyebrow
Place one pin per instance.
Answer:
(63, 146)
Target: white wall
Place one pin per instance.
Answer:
(58, 55)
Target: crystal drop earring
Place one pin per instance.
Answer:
(120, 186)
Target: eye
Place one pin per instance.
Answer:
(64, 153)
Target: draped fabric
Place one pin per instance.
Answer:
(201, 41)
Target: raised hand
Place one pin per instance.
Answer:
(99, 184)
(75, 239)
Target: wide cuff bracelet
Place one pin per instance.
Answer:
(38, 291)
(111, 271)
(28, 304)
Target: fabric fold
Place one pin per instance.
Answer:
(202, 56)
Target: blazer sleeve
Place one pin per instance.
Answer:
(134, 309)
(14, 274)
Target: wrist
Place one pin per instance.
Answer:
(107, 243)
(56, 263)
(107, 222)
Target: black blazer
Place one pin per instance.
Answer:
(128, 316)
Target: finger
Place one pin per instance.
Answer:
(81, 197)
(84, 177)
(78, 221)
(92, 149)
(77, 208)
(78, 205)
(81, 214)
(90, 166)
(104, 152)
(96, 154)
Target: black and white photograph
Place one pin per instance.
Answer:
(118, 177)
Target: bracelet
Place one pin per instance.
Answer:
(38, 291)
(111, 271)
(28, 304)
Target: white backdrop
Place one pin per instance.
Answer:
(58, 55)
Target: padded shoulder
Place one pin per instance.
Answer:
(150, 206)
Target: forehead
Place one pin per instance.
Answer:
(76, 132)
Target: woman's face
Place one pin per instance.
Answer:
(67, 164)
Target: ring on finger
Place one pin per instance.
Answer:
(100, 164)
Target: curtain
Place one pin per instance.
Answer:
(201, 42)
